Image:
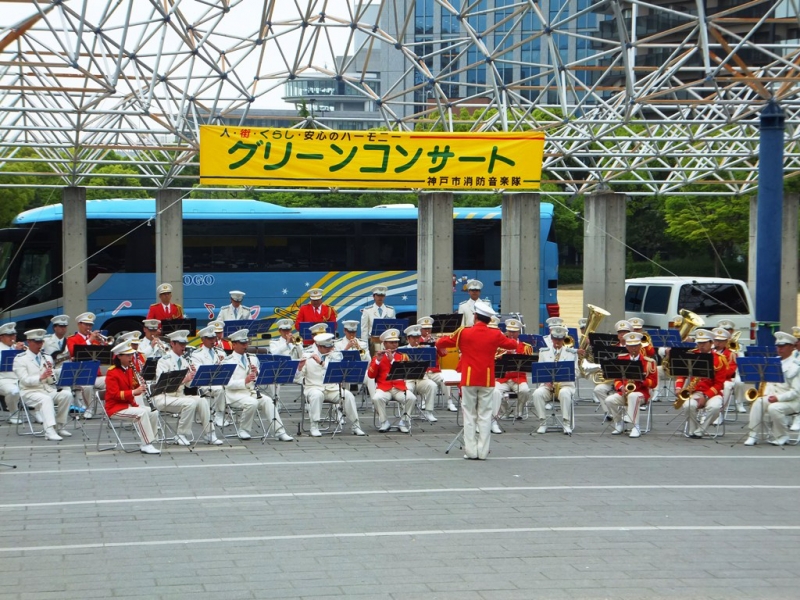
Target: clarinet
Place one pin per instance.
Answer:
(140, 380)
(253, 370)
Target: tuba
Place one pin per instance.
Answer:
(596, 316)
(734, 344)
(690, 322)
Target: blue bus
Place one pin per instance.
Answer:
(273, 253)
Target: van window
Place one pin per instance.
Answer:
(633, 298)
(657, 300)
(714, 299)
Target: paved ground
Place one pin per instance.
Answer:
(392, 516)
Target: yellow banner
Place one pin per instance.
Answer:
(253, 156)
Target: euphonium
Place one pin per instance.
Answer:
(690, 322)
(596, 316)
(734, 344)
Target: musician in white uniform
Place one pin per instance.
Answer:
(8, 381)
(311, 374)
(796, 355)
(424, 389)
(34, 370)
(235, 311)
(179, 402)
(770, 411)
(566, 389)
(378, 310)
(552, 322)
(285, 344)
(241, 390)
(56, 342)
(467, 307)
(152, 346)
(209, 354)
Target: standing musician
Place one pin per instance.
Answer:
(209, 354)
(219, 329)
(552, 322)
(85, 336)
(315, 311)
(704, 393)
(602, 390)
(122, 398)
(630, 394)
(515, 381)
(467, 307)
(720, 342)
(776, 401)
(241, 390)
(36, 376)
(311, 373)
(9, 386)
(151, 345)
(235, 311)
(478, 345)
(424, 389)
(566, 390)
(378, 310)
(178, 401)
(395, 389)
(164, 309)
(434, 373)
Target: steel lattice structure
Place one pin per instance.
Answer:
(648, 95)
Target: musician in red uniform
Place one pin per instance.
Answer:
(386, 389)
(632, 400)
(602, 390)
(638, 324)
(435, 373)
(122, 397)
(721, 340)
(706, 393)
(219, 330)
(514, 381)
(86, 337)
(165, 308)
(315, 312)
(478, 345)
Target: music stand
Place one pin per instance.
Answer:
(683, 362)
(149, 369)
(254, 327)
(341, 373)
(83, 352)
(303, 330)
(446, 323)
(7, 359)
(664, 338)
(535, 340)
(381, 325)
(412, 370)
(168, 383)
(758, 369)
(513, 363)
(421, 353)
(758, 351)
(274, 369)
(350, 355)
(208, 376)
(171, 325)
(78, 374)
(553, 372)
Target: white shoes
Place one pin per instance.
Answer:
(618, 428)
(626, 417)
(244, 434)
(64, 433)
(780, 441)
(403, 426)
(358, 431)
(496, 428)
(750, 441)
(451, 406)
(795, 423)
(182, 440)
(741, 409)
(51, 435)
(567, 429)
(430, 416)
(213, 440)
(87, 414)
(15, 420)
(635, 432)
(315, 432)
(149, 449)
(385, 426)
(285, 437)
(220, 421)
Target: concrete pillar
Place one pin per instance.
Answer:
(520, 276)
(435, 254)
(169, 242)
(73, 246)
(789, 281)
(604, 255)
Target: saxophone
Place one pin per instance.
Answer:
(686, 392)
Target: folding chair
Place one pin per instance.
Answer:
(24, 417)
(107, 422)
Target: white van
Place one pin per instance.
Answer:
(657, 299)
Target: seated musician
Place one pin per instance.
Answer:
(566, 390)
(187, 407)
(123, 397)
(739, 386)
(165, 309)
(285, 344)
(434, 373)
(637, 326)
(775, 402)
(219, 329)
(552, 322)
(513, 382)
(209, 354)
(55, 344)
(351, 341)
(34, 371)
(602, 390)
(311, 373)
(424, 389)
(721, 340)
(627, 399)
(151, 345)
(9, 386)
(704, 393)
(86, 337)
(386, 389)
(796, 354)
(241, 392)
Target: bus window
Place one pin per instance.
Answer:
(477, 244)
(6, 254)
(36, 277)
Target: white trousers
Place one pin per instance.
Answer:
(543, 394)
(773, 415)
(316, 396)
(522, 391)
(381, 397)
(425, 390)
(616, 402)
(712, 407)
(476, 406)
(187, 407)
(53, 406)
(601, 392)
(10, 389)
(145, 421)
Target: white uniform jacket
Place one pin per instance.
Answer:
(370, 313)
(231, 313)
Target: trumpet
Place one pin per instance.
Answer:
(297, 338)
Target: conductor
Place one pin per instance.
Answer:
(478, 345)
